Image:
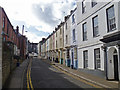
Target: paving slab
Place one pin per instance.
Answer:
(15, 80)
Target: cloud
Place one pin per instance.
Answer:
(45, 13)
(53, 13)
(38, 16)
(33, 37)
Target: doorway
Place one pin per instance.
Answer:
(72, 65)
(115, 59)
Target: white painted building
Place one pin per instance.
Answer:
(73, 39)
(67, 35)
(95, 20)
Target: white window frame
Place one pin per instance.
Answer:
(85, 57)
(95, 28)
(73, 33)
(84, 31)
(97, 58)
(83, 6)
(93, 3)
(112, 19)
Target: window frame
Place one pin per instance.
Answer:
(95, 35)
(73, 35)
(108, 26)
(8, 29)
(85, 59)
(66, 26)
(73, 18)
(93, 3)
(83, 6)
(96, 59)
(84, 31)
(66, 39)
(3, 23)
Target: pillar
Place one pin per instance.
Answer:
(104, 48)
(118, 46)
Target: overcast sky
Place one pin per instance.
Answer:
(39, 17)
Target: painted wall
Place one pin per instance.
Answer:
(93, 42)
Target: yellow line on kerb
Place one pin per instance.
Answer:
(30, 77)
(29, 82)
(88, 83)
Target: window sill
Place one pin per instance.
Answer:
(99, 69)
(85, 40)
(96, 36)
(74, 41)
(112, 30)
(83, 12)
(73, 23)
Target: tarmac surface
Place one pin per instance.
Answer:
(42, 73)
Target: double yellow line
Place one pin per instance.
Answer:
(29, 82)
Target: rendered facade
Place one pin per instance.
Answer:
(90, 36)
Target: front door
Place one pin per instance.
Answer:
(115, 58)
(72, 59)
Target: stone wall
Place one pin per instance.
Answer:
(8, 62)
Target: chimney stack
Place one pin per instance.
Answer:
(23, 30)
(17, 29)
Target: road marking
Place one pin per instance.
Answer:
(29, 82)
(28, 79)
(76, 77)
(96, 86)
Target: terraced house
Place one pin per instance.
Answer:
(12, 44)
(73, 40)
(61, 47)
(90, 36)
(98, 20)
(58, 43)
(67, 35)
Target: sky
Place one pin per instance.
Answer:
(39, 17)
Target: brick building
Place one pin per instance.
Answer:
(12, 45)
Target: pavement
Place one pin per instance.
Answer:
(86, 76)
(15, 80)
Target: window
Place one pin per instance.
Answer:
(95, 26)
(73, 18)
(56, 44)
(85, 57)
(97, 58)
(73, 35)
(75, 53)
(3, 22)
(66, 25)
(7, 28)
(56, 34)
(60, 30)
(111, 19)
(84, 31)
(83, 6)
(66, 39)
(67, 53)
(60, 41)
(94, 2)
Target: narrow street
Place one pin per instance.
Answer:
(40, 74)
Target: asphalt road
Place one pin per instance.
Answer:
(44, 75)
